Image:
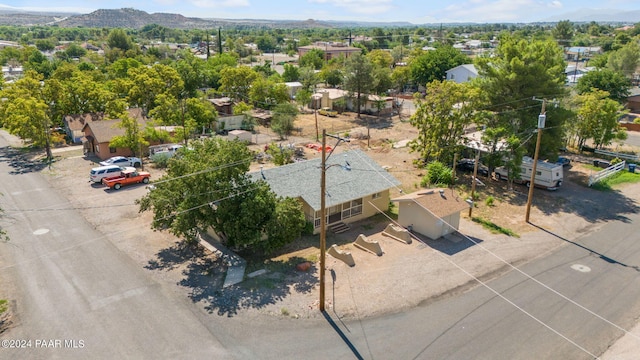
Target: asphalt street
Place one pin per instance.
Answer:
(77, 292)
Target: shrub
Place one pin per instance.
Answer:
(489, 201)
(160, 160)
(616, 161)
(308, 228)
(438, 173)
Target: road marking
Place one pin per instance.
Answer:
(581, 268)
(40, 231)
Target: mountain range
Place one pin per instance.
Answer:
(136, 19)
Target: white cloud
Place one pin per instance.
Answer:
(366, 7)
(220, 3)
(495, 10)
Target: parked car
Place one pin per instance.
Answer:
(122, 161)
(468, 165)
(328, 112)
(127, 177)
(564, 161)
(98, 173)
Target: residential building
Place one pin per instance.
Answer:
(356, 187)
(462, 73)
(73, 124)
(98, 135)
(331, 50)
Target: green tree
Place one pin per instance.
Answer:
(133, 138)
(25, 113)
(520, 72)
(563, 32)
(280, 155)
(432, 65)
(236, 82)
(358, 77)
(286, 225)
(266, 94)
(291, 73)
(597, 119)
(192, 71)
(209, 188)
(613, 82)
(314, 59)
(380, 58)
(625, 59)
(283, 117)
(441, 117)
(118, 39)
(146, 83)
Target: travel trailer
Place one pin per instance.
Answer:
(548, 175)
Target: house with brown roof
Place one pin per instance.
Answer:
(98, 135)
(331, 50)
(431, 212)
(73, 124)
(327, 97)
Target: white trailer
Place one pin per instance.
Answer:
(548, 175)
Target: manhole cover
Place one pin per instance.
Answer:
(581, 268)
(40, 231)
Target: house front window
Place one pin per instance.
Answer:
(376, 196)
(112, 150)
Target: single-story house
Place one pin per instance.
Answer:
(431, 212)
(98, 135)
(356, 186)
(326, 98)
(575, 53)
(633, 100)
(331, 50)
(293, 88)
(74, 124)
(223, 105)
(462, 73)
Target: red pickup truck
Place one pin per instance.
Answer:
(126, 177)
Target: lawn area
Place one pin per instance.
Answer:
(620, 178)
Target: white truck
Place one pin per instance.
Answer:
(548, 175)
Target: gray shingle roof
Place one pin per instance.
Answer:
(302, 179)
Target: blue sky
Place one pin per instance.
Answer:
(414, 11)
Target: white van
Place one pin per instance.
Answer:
(98, 173)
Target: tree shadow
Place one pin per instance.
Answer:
(575, 197)
(20, 161)
(204, 275)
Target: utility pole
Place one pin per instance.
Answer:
(323, 210)
(473, 181)
(323, 230)
(541, 120)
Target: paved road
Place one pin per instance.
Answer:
(73, 285)
(633, 139)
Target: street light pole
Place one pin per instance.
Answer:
(541, 120)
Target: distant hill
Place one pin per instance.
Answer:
(136, 19)
(598, 15)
